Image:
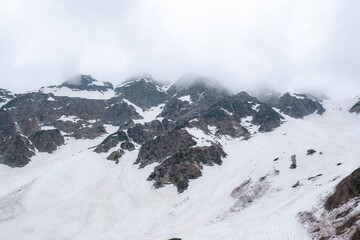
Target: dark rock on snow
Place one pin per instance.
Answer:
(144, 92)
(16, 151)
(355, 108)
(47, 140)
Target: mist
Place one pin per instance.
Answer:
(304, 46)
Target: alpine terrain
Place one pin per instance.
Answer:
(192, 160)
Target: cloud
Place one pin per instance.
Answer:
(289, 45)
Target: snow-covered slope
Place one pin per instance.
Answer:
(82, 86)
(75, 193)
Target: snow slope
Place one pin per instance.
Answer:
(75, 193)
(68, 92)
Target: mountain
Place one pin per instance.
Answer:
(191, 96)
(143, 91)
(82, 86)
(144, 160)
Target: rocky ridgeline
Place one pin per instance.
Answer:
(293, 104)
(5, 96)
(144, 92)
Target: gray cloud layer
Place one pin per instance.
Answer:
(287, 44)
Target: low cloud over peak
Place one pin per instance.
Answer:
(288, 45)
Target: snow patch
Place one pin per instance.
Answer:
(186, 98)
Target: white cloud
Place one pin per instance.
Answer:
(289, 44)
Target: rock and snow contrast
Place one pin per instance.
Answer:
(144, 160)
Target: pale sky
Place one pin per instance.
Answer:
(297, 45)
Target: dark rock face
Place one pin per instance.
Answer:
(47, 140)
(5, 96)
(7, 125)
(29, 126)
(141, 133)
(16, 151)
(87, 83)
(242, 105)
(347, 189)
(115, 156)
(127, 145)
(202, 95)
(355, 108)
(35, 106)
(184, 165)
(298, 105)
(111, 141)
(158, 149)
(143, 92)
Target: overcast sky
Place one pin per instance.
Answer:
(297, 45)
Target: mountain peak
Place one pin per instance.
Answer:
(87, 82)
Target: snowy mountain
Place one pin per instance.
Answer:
(144, 160)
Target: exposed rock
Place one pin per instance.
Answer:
(5, 96)
(87, 83)
(115, 156)
(311, 178)
(202, 93)
(185, 165)
(144, 92)
(356, 235)
(16, 151)
(53, 113)
(293, 162)
(29, 126)
(340, 217)
(158, 149)
(296, 184)
(298, 105)
(347, 189)
(140, 133)
(127, 145)
(238, 107)
(7, 125)
(310, 152)
(355, 108)
(111, 141)
(47, 140)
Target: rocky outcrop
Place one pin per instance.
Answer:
(29, 126)
(141, 133)
(87, 83)
(355, 108)
(47, 140)
(190, 97)
(111, 141)
(229, 112)
(158, 149)
(115, 156)
(340, 216)
(144, 92)
(347, 189)
(5, 96)
(184, 165)
(298, 105)
(74, 116)
(7, 125)
(16, 151)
